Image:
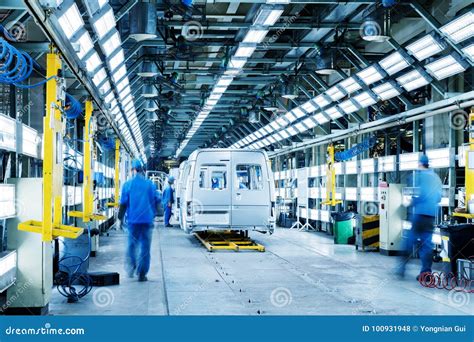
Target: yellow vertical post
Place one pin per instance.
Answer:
(331, 179)
(117, 170)
(469, 172)
(52, 162)
(87, 167)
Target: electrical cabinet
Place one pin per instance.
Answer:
(392, 215)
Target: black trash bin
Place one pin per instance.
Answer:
(461, 242)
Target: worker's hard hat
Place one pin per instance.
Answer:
(137, 165)
(170, 179)
(424, 160)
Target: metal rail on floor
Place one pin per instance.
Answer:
(228, 240)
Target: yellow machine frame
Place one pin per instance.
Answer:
(87, 213)
(227, 240)
(116, 176)
(468, 172)
(331, 179)
(51, 226)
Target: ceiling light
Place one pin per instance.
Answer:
(85, 45)
(333, 113)
(300, 127)
(322, 100)
(111, 44)
(105, 89)
(298, 112)
(255, 36)
(93, 62)
(148, 69)
(268, 15)
(376, 26)
(290, 117)
(117, 76)
(350, 85)
(335, 93)
(290, 90)
(224, 81)
(348, 107)
(425, 47)
(244, 51)
(446, 67)
(309, 122)
(320, 118)
(122, 85)
(469, 51)
(394, 63)
(291, 131)
(219, 90)
(309, 107)
(413, 80)
(326, 62)
(460, 28)
(99, 77)
(71, 21)
(116, 60)
(104, 24)
(284, 134)
(365, 99)
(370, 75)
(237, 63)
(143, 20)
(386, 91)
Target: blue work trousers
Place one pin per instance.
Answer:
(139, 235)
(167, 215)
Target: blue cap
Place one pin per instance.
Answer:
(170, 179)
(137, 165)
(424, 160)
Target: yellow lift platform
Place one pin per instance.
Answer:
(228, 240)
(116, 176)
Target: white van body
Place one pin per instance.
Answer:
(175, 173)
(226, 189)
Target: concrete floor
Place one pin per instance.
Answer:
(301, 273)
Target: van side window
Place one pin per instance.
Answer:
(249, 177)
(213, 177)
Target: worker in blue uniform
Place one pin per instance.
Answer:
(168, 200)
(424, 203)
(138, 203)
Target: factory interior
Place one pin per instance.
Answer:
(279, 144)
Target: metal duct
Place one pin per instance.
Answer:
(143, 21)
(148, 69)
(149, 90)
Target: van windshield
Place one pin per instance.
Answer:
(249, 177)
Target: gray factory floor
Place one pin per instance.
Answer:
(301, 273)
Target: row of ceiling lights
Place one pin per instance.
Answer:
(298, 120)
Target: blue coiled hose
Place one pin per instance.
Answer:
(73, 108)
(357, 149)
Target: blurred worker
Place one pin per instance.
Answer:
(168, 200)
(214, 183)
(139, 202)
(424, 203)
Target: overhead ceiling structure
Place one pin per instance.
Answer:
(173, 76)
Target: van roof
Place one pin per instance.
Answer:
(195, 153)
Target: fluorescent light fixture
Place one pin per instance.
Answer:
(425, 47)
(300, 127)
(71, 21)
(386, 164)
(219, 90)
(460, 28)
(109, 97)
(409, 161)
(335, 93)
(122, 84)
(224, 81)
(321, 100)
(386, 91)
(282, 122)
(348, 106)
(445, 67)
(111, 44)
(211, 102)
(93, 62)
(290, 117)
(258, 135)
(365, 99)
(309, 107)
(255, 35)
(124, 93)
(99, 77)
(320, 118)
(271, 139)
(284, 134)
(268, 129)
(370, 75)
(215, 96)
(268, 15)
(469, 51)
(116, 60)
(394, 63)
(367, 165)
(119, 74)
(298, 112)
(85, 45)
(413, 80)
(237, 63)
(439, 158)
(274, 125)
(30, 141)
(104, 24)
(244, 51)
(291, 131)
(333, 112)
(350, 85)
(309, 122)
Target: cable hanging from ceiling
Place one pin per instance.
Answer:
(72, 108)
(356, 150)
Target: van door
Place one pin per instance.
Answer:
(211, 189)
(251, 201)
